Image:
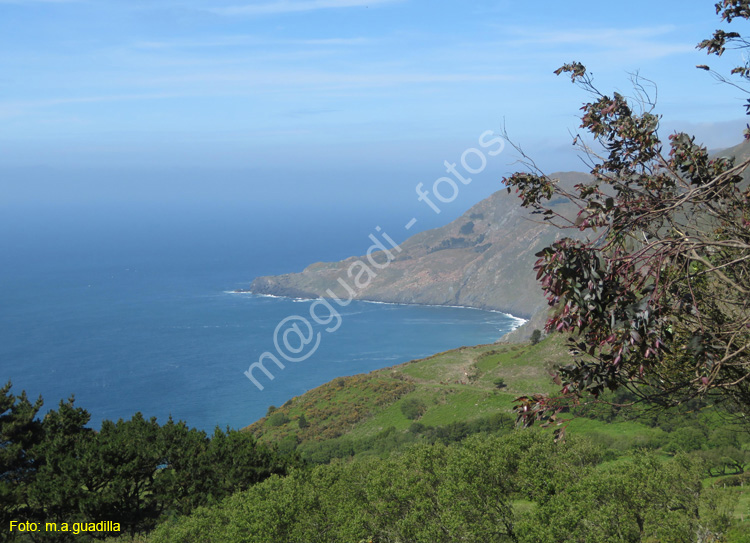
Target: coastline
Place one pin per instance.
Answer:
(518, 321)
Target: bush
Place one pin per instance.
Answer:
(417, 428)
(277, 419)
(536, 337)
(499, 383)
(467, 229)
(413, 408)
(288, 445)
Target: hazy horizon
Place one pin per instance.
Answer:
(340, 102)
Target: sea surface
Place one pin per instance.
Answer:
(131, 309)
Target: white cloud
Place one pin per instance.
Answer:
(17, 109)
(634, 43)
(241, 81)
(293, 6)
(238, 41)
(235, 84)
(588, 36)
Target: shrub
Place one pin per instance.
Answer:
(288, 445)
(468, 228)
(413, 408)
(417, 428)
(277, 419)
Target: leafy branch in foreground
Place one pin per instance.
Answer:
(655, 293)
(723, 40)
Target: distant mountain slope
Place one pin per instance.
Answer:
(740, 152)
(483, 259)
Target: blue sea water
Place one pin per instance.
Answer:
(131, 309)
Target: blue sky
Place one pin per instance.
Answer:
(347, 102)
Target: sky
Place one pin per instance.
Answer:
(290, 103)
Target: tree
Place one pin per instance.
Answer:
(132, 472)
(238, 461)
(642, 499)
(427, 493)
(58, 492)
(120, 469)
(185, 478)
(278, 419)
(413, 408)
(20, 433)
(655, 292)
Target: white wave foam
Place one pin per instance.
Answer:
(254, 295)
(518, 321)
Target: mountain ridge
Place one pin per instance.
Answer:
(484, 259)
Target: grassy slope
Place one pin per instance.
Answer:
(455, 385)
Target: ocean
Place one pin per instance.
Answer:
(130, 309)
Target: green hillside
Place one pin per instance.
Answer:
(454, 386)
(428, 451)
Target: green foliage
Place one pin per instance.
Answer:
(390, 439)
(277, 419)
(302, 422)
(54, 490)
(639, 500)
(456, 386)
(413, 408)
(471, 492)
(685, 439)
(474, 480)
(723, 448)
(420, 495)
(499, 383)
(132, 472)
(20, 433)
(417, 428)
(333, 408)
(536, 337)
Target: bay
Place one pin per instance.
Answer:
(131, 309)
